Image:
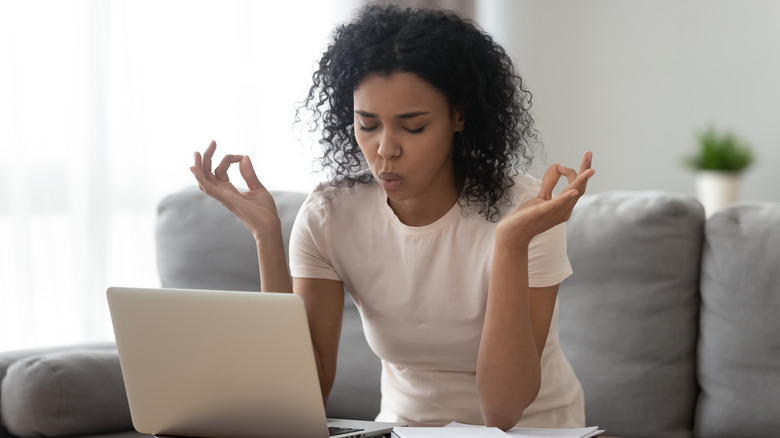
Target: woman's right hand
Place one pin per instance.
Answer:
(255, 207)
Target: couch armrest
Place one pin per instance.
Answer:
(63, 391)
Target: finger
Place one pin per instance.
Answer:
(568, 172)
(582, 179)
(206, 183)
(549, 181)
(585, 168)
(587, 161)
(221, 170)
(559, 208)
(207, 156)
(248, 173)
(581, 182)
(197, 168)
(200, 176)
(569, 199)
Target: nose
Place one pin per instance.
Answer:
(388, 145)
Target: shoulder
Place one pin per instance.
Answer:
(334, 200)
(338, 193)
(332, 210)
(524, 188)
(521, 189)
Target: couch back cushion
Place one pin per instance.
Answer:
(629, 313)
(739, 346)
(202, 245)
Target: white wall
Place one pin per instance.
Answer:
(634, 80)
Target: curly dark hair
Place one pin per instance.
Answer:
(455, 57)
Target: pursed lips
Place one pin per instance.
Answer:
(389, 176)
(389, 180)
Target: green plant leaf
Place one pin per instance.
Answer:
(720, 151)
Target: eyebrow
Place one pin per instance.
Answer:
(399, 116)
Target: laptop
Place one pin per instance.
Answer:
(222, 364)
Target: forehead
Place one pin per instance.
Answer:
(396, 93)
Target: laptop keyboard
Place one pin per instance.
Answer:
(339, 430)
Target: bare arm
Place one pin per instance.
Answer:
(256, 209)
(324, 309)
(517, 321)
(324, 299)
(517, 318)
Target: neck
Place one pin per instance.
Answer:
(419, 216)
(419, 212)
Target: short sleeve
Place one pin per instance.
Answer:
(309, 243)
(548, 262)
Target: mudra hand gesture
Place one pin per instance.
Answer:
(255, 207)
(545, 210)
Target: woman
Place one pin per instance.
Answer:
(451, 254)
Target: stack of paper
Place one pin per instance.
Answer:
(460, 430)
(442, 432)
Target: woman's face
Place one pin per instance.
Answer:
(405, 128)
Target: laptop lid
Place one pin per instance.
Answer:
(219, 364)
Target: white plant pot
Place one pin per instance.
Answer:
(716, 189)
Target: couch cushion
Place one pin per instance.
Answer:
(203, 245)
(739, 347)
(72, 392)
(628, 314)
(8, 358)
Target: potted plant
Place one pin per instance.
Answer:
(719, 161)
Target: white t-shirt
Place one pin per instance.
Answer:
(422, 293)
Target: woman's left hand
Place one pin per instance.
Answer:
(545, 210)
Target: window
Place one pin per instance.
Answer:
(103, 104)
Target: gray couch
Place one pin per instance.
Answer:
(669, 320)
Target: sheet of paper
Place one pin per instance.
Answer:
(585, 432)
(442, 432)
(526, 432)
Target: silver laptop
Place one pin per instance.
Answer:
(222, 364)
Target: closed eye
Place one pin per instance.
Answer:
(367, 129)
(415, 131)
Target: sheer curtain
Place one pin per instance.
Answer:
(102, 104)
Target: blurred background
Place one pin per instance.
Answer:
(103, 102)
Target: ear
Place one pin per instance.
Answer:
(460, 117)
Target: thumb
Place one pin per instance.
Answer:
(248, 173)
(549, 181)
